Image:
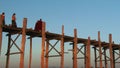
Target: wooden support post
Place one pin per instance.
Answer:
(88, 65)
(113, 58)
(110, 51)
(95, 57)
(23, 43)
(75, 49)
(8, 52)
(0, 33)
(47, 50)
(62, 48)
(100, 51)
(30, 56)
(85, 56)
(43, 45)
(106, 65)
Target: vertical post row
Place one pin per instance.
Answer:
(30, 56)
(8, 51)
(110, 51)
(0, 33)
(88, 54)
(47, 50)
(23, 43)
(62, 48)
(75, 49)
(100, 51)
(43, 45)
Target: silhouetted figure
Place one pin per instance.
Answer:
(3, 18)
(14, 20)
(38, 25)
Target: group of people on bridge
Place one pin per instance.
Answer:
(38, 25)
(13, 19)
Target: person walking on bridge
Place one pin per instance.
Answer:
(38, 25)
(14, 20)
(3, 18)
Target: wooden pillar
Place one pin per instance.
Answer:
(85, 56)
(62, 48)
(106, 65)
(0, 33)
(113, 58)
(110, 51)
(30, 56)
(8, 51)
(75, 49)
(47, 50)
(23, 43)
(43, 45)
(88, 65)
(95, 57)
(100, 51)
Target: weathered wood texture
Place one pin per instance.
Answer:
(23, 43)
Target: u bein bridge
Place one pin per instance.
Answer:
(100, 55)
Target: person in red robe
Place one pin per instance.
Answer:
(38, 25)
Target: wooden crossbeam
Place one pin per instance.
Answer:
(14, 53)
(102, 60)
(80, 57)
(54, 55)
(79, 50)
(14, 40)
(16, 45)
(53, 47)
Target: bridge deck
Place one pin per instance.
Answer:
(49, 35)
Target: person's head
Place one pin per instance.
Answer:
(3, 13)
(40, 19)
(14, 14)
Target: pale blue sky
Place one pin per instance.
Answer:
(88, 16)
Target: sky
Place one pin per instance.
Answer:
(87, 16)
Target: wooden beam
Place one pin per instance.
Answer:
(88, 65)
(43, 45)
(14, 53)
(30, 56)
(95, 57)
(85, 56)
(100, 51)
(110, 51)
(8, 52)
(62, 48)
(114, 58)
(106, 64)
(0, 33)
(47, 58)
(23, 43)
(75, 49)
(53, 47)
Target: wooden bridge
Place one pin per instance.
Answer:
(98, 45)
